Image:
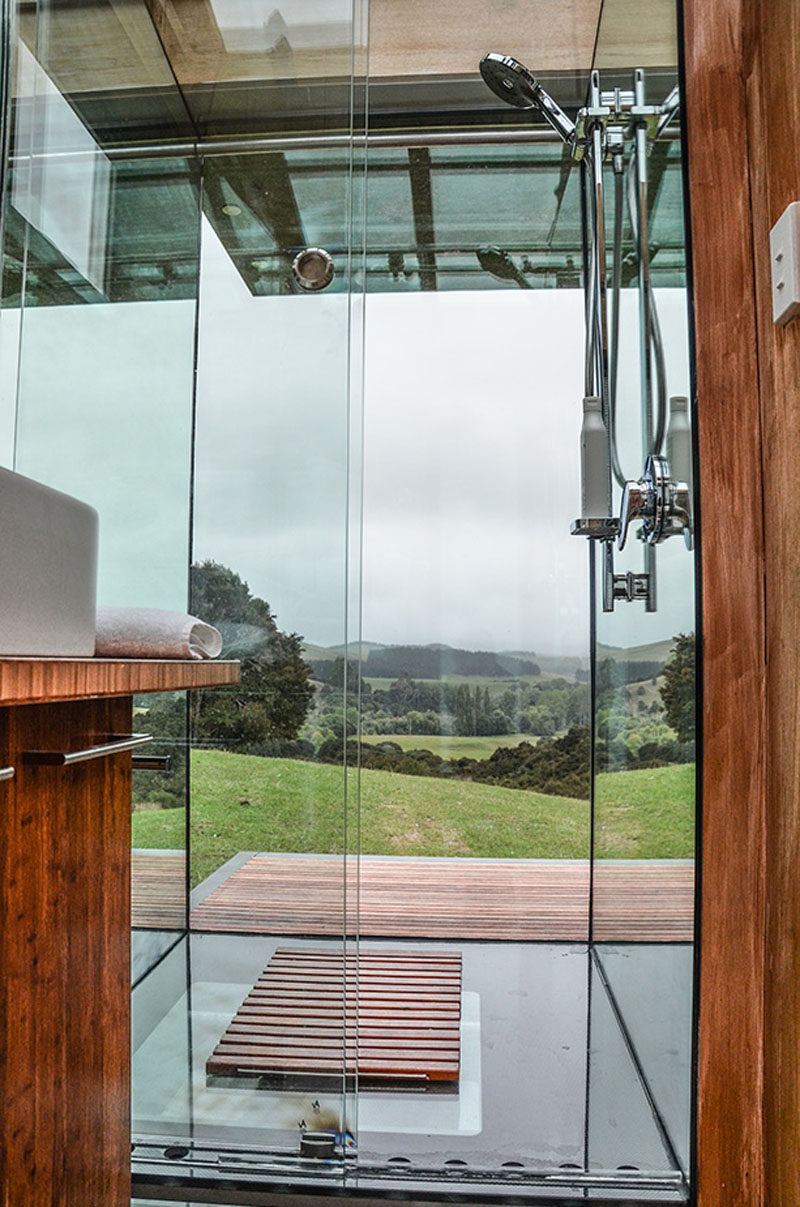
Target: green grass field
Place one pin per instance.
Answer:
(450, 747)
(243, 803)
(645, 814)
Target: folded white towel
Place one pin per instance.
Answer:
(154, 633)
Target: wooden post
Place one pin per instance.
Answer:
(743, 119)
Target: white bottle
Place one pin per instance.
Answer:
(595, 474)
(679, 441)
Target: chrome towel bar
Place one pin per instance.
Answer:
(116, 744)
(151, 762)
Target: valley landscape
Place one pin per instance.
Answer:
(439, 752)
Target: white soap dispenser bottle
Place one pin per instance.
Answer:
(595, 475)
(679, 441)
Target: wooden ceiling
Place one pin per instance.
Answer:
(113, 45)
(638, 33)
(406, 38)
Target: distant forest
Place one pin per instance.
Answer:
(442, 661)
(432, 662)
(294, 701)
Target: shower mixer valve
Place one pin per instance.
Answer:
(662, 505)
(664, 509)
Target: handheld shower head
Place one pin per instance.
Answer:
(515, 85)
(509, 80)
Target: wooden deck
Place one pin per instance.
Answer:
(448, 899)
(158, 890)
(641, 902)
(403, 1007)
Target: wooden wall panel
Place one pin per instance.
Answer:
(135, 44)
(731, 1076)
(743, 105)
(774, 117)
(432, 37)
(95, 47)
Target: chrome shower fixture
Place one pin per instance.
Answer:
(515, 85)
(614, 113)
(663, 506)
(617, 127)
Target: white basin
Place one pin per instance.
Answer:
(48, 571)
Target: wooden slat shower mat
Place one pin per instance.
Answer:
(464, 899)
(404, 1008)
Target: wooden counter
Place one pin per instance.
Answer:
(65, 926)
(45, 680)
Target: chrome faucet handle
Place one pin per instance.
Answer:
(635, 504)
(663, 506)
(680, 513)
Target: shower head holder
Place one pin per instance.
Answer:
(617, 112)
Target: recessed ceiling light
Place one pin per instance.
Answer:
(233, 211)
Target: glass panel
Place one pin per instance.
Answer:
(100, 286)
(276, 488)
(474, 697)
(644, 789)
(624, 1132)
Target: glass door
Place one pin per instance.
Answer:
(247, 1062)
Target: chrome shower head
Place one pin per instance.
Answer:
(509, 80)
(515, 85)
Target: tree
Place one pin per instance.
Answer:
(275, 692)
(332, 673)
(608, 679)
(164, 717)
(678, 687)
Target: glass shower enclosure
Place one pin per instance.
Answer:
(302, 308)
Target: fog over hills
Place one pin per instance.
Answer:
(438, 661)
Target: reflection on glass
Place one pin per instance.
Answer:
(294, 25)
(105, 382)
(650, 41)
(62, 185)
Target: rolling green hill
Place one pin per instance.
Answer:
(656, 651)
(241, 803)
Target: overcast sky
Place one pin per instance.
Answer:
(471, 417)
